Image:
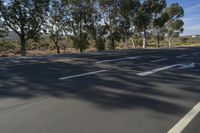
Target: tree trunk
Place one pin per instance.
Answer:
(64, 49)
(99, 44)
(158, 40)
(81, 50)
(113, 44)
(145, 39)
(23, 45)
(169, 42)
(125, 43)
(133, 43)
(57, 48)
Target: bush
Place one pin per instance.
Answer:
(6, 45)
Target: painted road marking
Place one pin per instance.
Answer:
(42, 62)
(182, 124)
(191, 65)
(81, 75)
(180, 56)
(23, 64)
(181, 66)
(121, 59)
(159, 60)
(155, 70)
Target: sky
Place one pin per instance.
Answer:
(192, 15)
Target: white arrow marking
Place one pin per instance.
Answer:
(181, 66)
(121, 59)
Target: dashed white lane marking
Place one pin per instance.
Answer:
(155, 70)
(159, 60)
(180, 56)
(121, 59)
(81, 75)
(182, 124)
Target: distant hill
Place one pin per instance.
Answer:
(192, 36)
(12, 35)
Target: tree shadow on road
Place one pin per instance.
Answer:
(115, 89)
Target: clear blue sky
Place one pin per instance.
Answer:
(192, 15)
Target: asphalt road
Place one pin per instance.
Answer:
(102, 92)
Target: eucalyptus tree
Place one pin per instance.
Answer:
(159, 28)
(147, 12)
(80, 13)
(57, 22)
(127, 12)
(110, 10)
(142, 20)
(25, 18)
(96, 27)
(175, 24)
(159, 20)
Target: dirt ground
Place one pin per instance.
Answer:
(40, 52)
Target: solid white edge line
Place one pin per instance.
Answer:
(164, 59)
(80, 75)
(120, 59)
(182, 124)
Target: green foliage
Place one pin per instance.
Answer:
(117, 14)
(80, 42)
(80, 14)
(175, 11)
(159, 20)
(100, 23)
(7, 45)
(25, 18)
(184, 40)
(57, 22)
(150, 14)
(175, 25)
(109, 9)
(100, 44)
(97, 29)
(3, 30)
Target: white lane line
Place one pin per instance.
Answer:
(155, 70)
(121, 59)
(159, 60)
(180, 56)
(182, 124)
(81, 75)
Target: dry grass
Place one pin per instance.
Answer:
(42, 52)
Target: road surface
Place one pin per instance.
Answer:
(126, 91)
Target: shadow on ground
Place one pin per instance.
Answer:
(115, 89)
